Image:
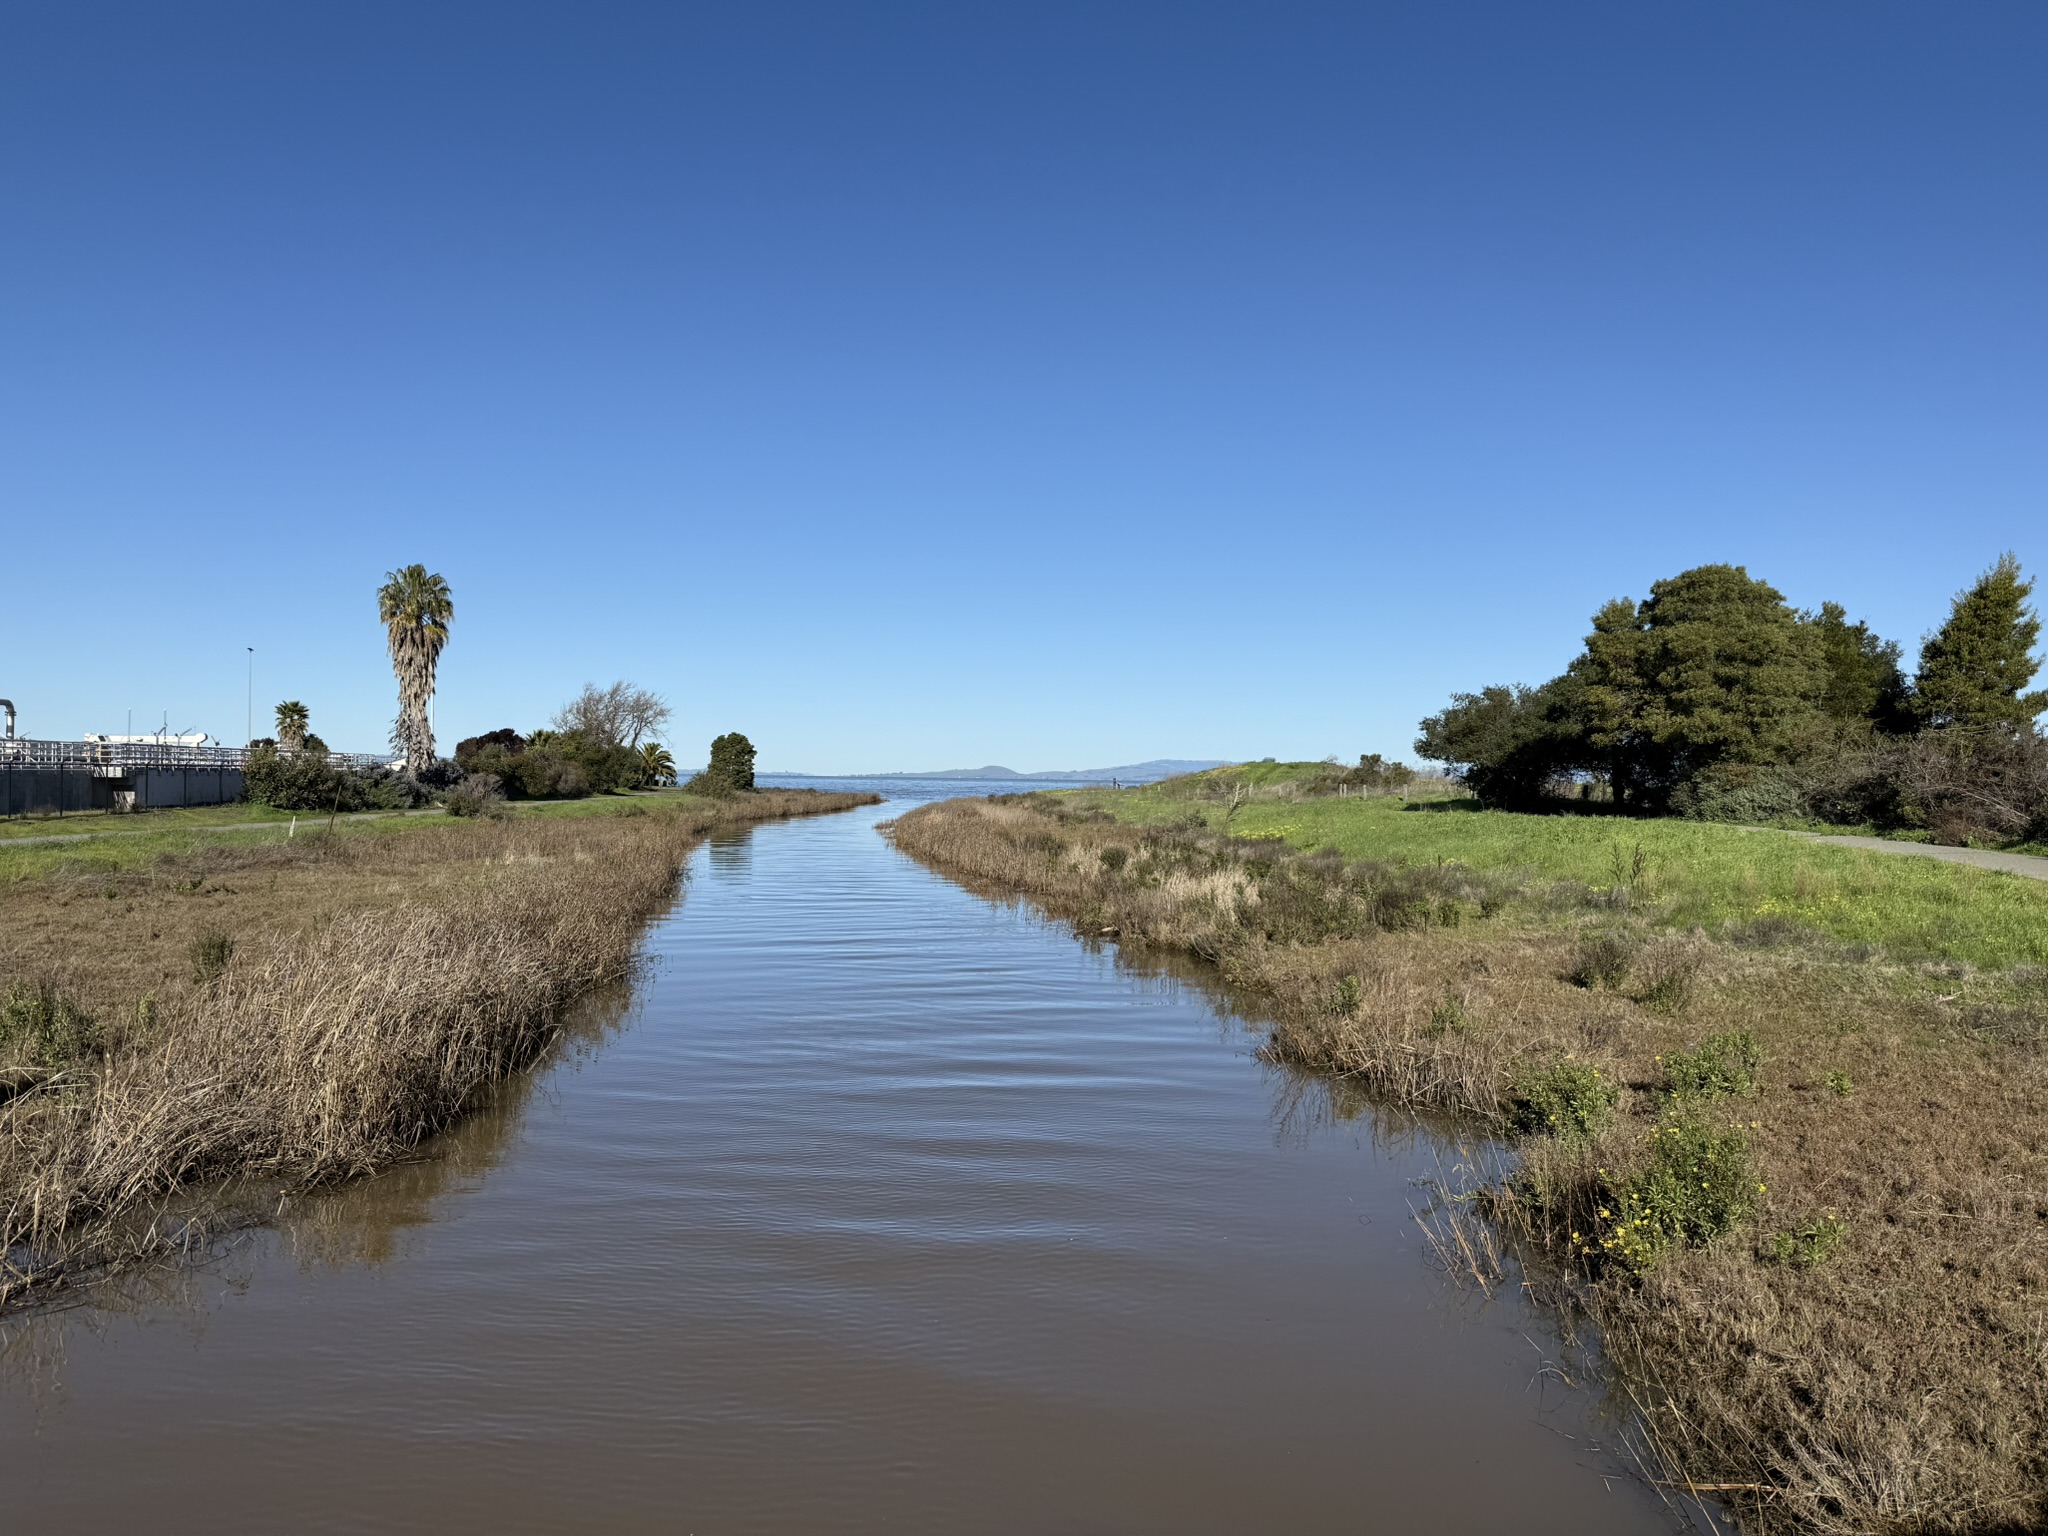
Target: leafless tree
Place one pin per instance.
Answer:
(618, 716)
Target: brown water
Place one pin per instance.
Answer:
(877, 1208)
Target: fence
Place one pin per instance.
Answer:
(60, 778)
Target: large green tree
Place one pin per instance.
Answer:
(1864, 679)
(416, 608)
(1975, 669)
(1713, 667)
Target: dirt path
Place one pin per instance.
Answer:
(2031, 865)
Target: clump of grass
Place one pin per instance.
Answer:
(1572, 1100)
(1669, 972)
(1604, 960)
(1114, 858)
(44, 1027)
(1350, 995)
(1839, 1084)
(211, 952)
(1809, 1244)
(1699, 1183)
(1722, 1066)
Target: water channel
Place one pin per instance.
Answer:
(877, 1207)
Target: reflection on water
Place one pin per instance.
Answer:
(875, 1207)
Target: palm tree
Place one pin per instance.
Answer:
(657, 768)
(292, 720)
(417, 609)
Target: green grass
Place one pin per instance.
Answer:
(131, 842)
(1694, 872)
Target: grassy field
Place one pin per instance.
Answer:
(1683, 873)
(114, 843)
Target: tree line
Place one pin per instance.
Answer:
(1714, 698)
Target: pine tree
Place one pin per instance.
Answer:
(1974, 670)
(1864, 678)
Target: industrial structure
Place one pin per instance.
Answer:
(125, 773)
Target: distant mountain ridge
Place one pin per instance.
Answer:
(1126, 773)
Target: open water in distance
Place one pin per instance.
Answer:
(878, 1207)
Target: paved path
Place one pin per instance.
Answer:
(2031, 865)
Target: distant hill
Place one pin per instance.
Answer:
(1126, 773)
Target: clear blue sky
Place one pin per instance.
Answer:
(1056, 385)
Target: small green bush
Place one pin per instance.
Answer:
(1603, 960)
(1722, 1066)
(48, 1028)
(1568, 1099)
(211, 953)
(1839, 1085)
(1699, 1183)
(1350, 996)
(1810, 1244)
(1114, 859)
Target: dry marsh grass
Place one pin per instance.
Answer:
(298, 1013)
(1855, 1339)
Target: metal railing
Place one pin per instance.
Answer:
(116, 758)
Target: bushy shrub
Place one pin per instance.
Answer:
(1603, 960)
(1743, 793)
(211, 952)
(308, 781)
(1571, 1100)
(47, 1028)
(731, 770)
(479, 794)
(1722, 1065)
(1699, 1183)
(502, 744)
(1668, 973)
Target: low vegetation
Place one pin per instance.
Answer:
(1779, 1110)
(296, 1011)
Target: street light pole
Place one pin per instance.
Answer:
(249, 723)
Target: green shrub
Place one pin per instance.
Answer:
(49, 1029)
(1810, 1244)
(1839, 1085)
(1603, 960)
(1568, 1099)
(1114, 859)
(211, 952)
(731, 770)
(1350, 996)
(307, 781)
(1723, 1065)
(1699, 1183)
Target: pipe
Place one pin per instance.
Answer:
(8, 705)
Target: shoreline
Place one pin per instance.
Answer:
(305, 1012)
(1837, 1336)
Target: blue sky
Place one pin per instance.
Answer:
(1056, 385)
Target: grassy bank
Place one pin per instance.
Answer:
(297, 1011)
(1690, 873)
(1791, 1163)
